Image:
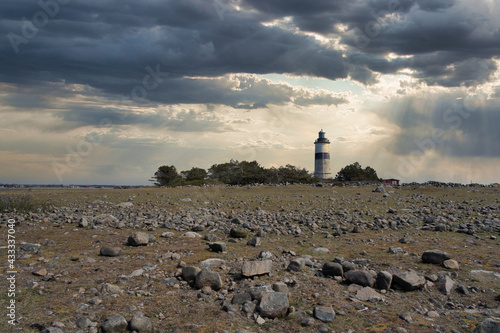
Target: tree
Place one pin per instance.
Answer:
(354, 172)
(194, 174)
(166, 176)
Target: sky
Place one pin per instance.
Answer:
(106, 91)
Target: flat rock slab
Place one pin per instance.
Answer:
(367, 294)
(256, 267)
(435, 257)
(324, 313)
(408, 280)
(485, 276)
(273, 305)
(212, 263)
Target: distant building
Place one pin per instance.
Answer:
(322, 157)
(391, 181)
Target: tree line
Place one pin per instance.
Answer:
(232, 173)
(246, 173)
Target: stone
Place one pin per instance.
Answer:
(256, 267)
(189, 273)
(485, 276)
(408, 280)
(489, 325)
(84, 223)
(238, 233)
(108, 251)
(206, 277)
(446, 285)
(28, 247)
(395, 249)
(191, 234)
(265, 255)
(384, 280)
(280, 287)
(406, 317)
(321, 250)
(432, 314)
(260, 320)
(323, 329)
(108, 288)
(435, 257)
(451, 264)
(241, 298)
(358, 229)
(324, 313)
(255, 241)
(212, 263)
(296, 264)
(258, 291)
(362, 278)
(348, 266)
(369, 294)
(273, 305)
(83, 322)
(218, 247)
(167, 234)
(114, 324)
(138, 239)
(40, 272)
(140, 323)
(52, 330)
(332, 269)
(307, 322)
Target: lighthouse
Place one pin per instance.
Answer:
(322, 157)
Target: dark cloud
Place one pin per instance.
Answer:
(434, 5)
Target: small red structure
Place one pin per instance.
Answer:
(391, 181)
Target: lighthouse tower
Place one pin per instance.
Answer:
(322, 157)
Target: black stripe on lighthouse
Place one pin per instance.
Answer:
(322, 156)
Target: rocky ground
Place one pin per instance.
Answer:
(257, 259)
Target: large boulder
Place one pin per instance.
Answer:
(206, 277)
(138, 239)
(362, 278)
(435, 257)
(256, 267)
(273, 305)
